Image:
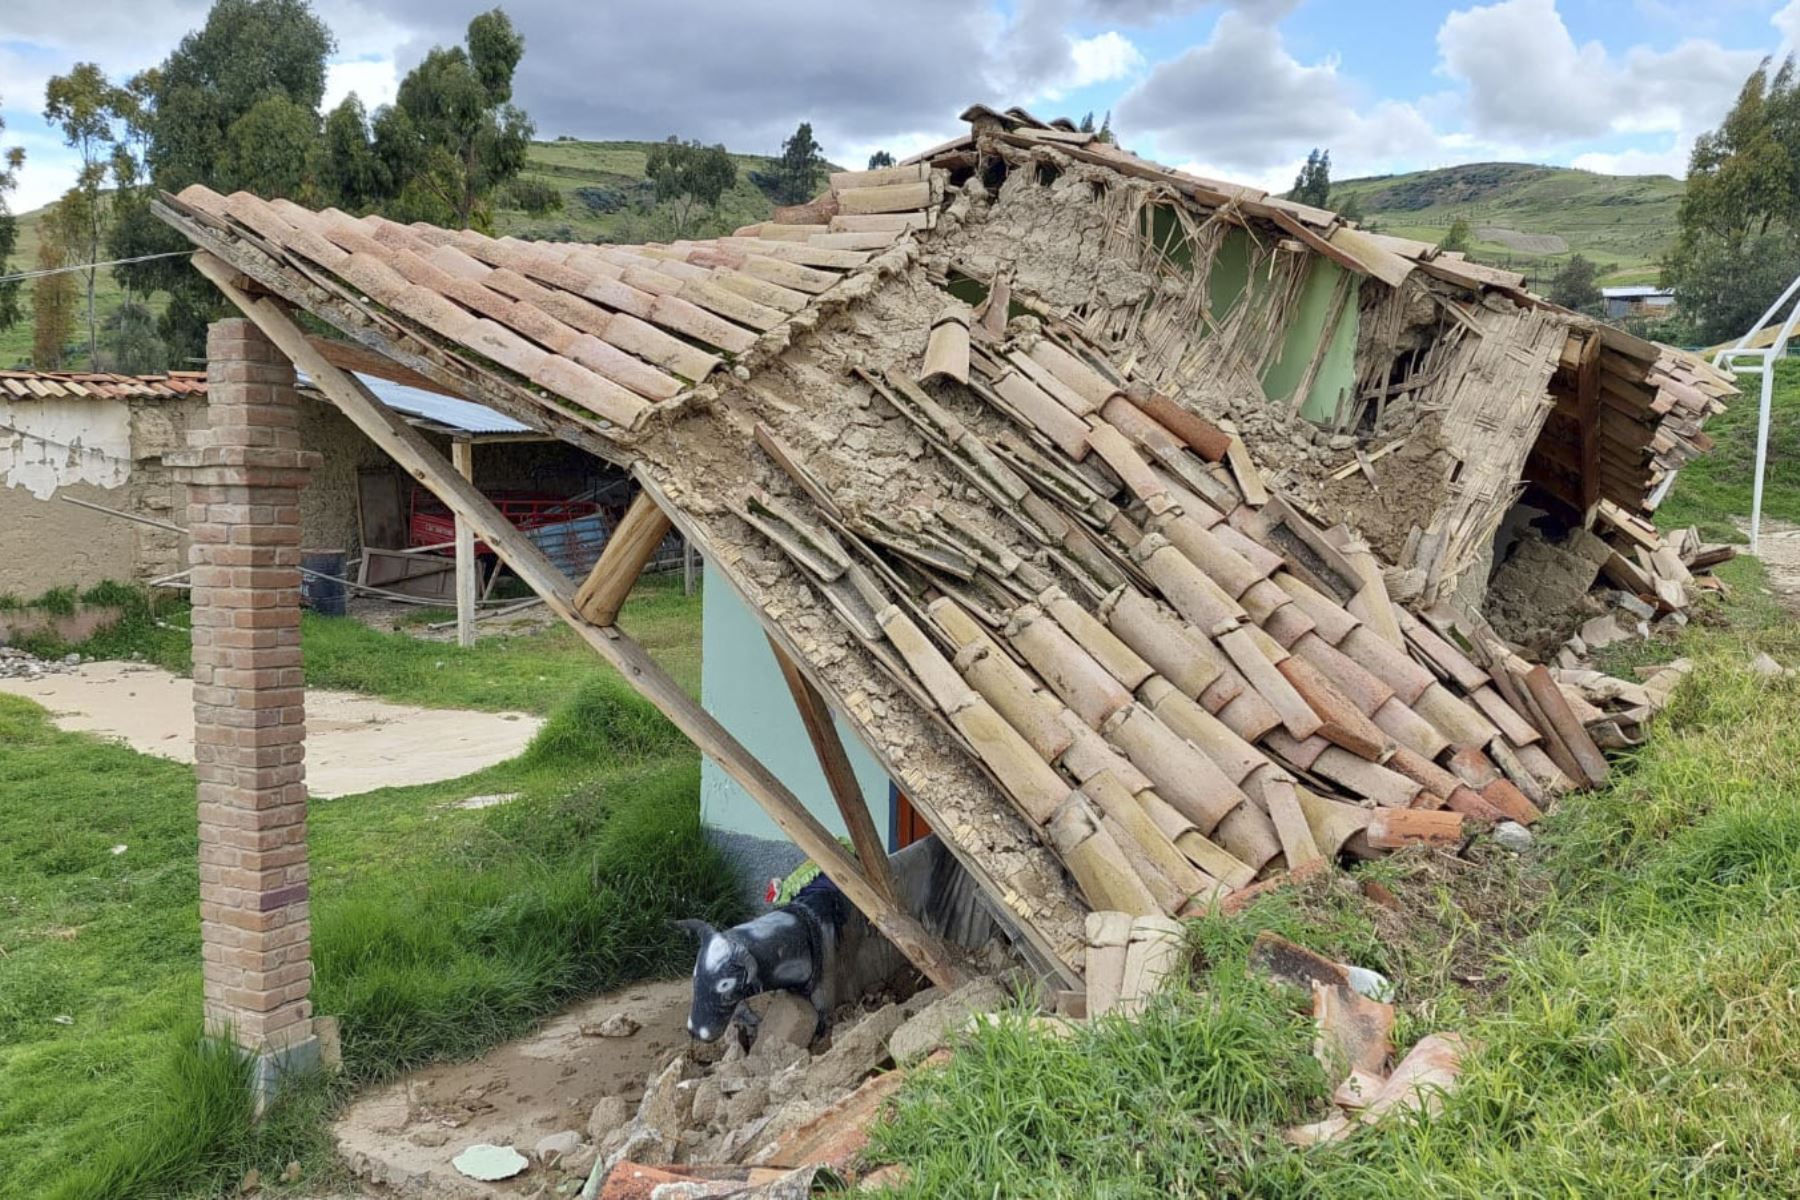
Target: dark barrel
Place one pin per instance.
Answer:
(324, 596)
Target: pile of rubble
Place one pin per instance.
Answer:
(777, 1101)
(18, 664)
(1558, 599)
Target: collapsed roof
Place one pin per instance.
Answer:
(1025, 451)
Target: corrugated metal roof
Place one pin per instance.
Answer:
(462, 415)
(1634, 291)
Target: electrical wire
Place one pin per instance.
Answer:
(117, 262)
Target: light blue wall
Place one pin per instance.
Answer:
(742, 687)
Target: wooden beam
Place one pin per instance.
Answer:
(603, 592)
(408, 447)
(1587, 403)
(821, 730)
(351, 357)
(462, 455)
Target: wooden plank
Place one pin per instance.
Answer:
(603, 592)
(1376, 259)
(643, 673)
(1313, 241)
(462, 456)
(840, 777)
(1587, 404)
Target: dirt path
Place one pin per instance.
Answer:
(405, 1134)
(1780, 554)
(353, 743)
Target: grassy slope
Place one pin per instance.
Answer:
(1631, 983)
(436, 930)
(1623, 222)
(15, 342)
(567, 165)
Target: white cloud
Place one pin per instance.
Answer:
(1787, 23)
(1672, 161)
(1103, 58)
(1526, 79)
(1242, 101)
(373, 80)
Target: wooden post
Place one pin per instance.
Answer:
(687, 567)
(462, 454)
(408, 447)
(603, 593)
(822, 732)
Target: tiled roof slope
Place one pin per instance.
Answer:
(100, 385)
(600, 336)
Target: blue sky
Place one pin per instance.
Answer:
(1238, 89)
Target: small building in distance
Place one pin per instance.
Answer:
(1637, 300)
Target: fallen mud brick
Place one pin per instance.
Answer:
(937, 1023)
(667, 1103)
(609, 1115)
(837, 1135)
(788, 1022)
(855, 1051)
(630, 1180)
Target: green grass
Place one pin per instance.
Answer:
(1717, 486)
(1625, 223)
(436, 931)
(1632, 988)
(530, 672)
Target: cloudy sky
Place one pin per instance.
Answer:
(1238, 89)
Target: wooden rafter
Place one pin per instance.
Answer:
(821, 731)
(631, 545)
(643, 673)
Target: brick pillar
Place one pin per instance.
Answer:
(244, 475)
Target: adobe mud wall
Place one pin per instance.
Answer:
(111, 452)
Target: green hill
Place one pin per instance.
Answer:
(1530, 218)
(603, 188)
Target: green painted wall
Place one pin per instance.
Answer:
(742, 687)
(1230, 271)
(1305, 329)
(1226, 282)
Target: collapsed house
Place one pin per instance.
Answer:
(1136, 523)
